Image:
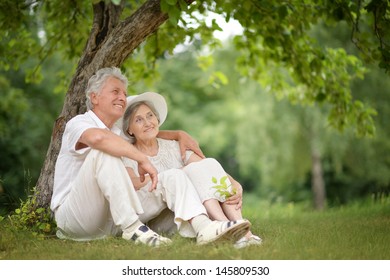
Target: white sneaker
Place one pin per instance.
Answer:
(247, 241)
(146, 236)
(223, 231)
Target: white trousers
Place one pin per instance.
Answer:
(103, 201)
(201, 174)
(176, 192)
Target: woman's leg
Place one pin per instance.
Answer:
(201, 174)
(214, 210)
(233, 214)
(176, 192)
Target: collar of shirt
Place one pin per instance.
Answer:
(100, 124)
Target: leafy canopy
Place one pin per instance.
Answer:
(276, 37)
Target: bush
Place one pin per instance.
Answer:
(32, 218)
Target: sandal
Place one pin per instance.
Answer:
(145, 235)
(255, 240)
(223, 231)
(247, 241)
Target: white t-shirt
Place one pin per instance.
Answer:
(168, 157)
(69, 160)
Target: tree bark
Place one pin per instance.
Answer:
(317, 181)
(109, 44)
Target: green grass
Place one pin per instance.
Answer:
(290, 232)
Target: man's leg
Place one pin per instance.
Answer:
(101, 201)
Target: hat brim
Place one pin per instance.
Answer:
(154, 98)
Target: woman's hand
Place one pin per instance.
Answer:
(236, 198)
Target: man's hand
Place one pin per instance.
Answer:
(186, 142)
(145, 167)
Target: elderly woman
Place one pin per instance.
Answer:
(141, 121)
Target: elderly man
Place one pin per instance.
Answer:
(93, 196)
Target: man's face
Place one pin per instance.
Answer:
(110, 104)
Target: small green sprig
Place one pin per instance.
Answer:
(222, 188)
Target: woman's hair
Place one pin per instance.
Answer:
(96, 82)
(129, 114)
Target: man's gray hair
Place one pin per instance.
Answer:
(96, 82)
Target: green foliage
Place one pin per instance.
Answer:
(29, 217)
(222, 188)
(173, 8)
(17, 42)
(276, 35)
(40, 29)
(27, 114)
(13, 104)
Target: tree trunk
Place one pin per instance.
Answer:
(109, 44)
(317, 180)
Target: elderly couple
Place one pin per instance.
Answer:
(118, 174)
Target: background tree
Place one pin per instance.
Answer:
(275, 35)
(27, 112)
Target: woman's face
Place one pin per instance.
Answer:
(144, 124)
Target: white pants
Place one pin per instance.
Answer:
(201, 174)
(176, 192)
(103, 201)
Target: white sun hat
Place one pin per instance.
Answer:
(155, 99)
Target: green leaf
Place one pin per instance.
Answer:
(171, 2)
(174, 14)
(223, 180)
(221, 189)
(164, 6)
(321, 97)
(183, 5)
(40, 210)
(283, 12)
(204, 62)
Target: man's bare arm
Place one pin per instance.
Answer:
(112, 144)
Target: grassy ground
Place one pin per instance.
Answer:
(290, 232)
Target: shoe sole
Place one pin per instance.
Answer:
(232, 234)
